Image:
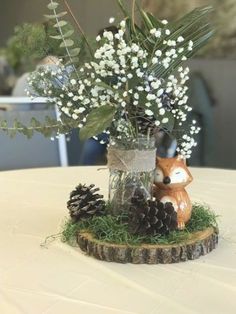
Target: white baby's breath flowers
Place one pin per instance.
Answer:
(164, 22)
(190, 45)
(180, 39)
(154, 60)
(158, 53)
(75, 116)
(73, 82)
(149, 112)
(124, 74)
(167, 32)
(162, 112)
(123, 24)
(165, 120)
(153, 31)
(111, 20)
(158, 33)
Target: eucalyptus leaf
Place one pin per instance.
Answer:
(35, 123)
(60, 24)
(55, 16)
(12, 133)
(67, 43)
(75, 59)
(68, 33)
(27, 132)
(74, 52)
(58, 37)
(53, 5)
(49, 127)
(3, 124)
(97, 121)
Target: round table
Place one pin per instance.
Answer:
(60, 279)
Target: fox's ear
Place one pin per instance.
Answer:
(158, 159)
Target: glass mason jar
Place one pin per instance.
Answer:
(132, 165)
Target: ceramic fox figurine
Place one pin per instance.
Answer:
(171, 178)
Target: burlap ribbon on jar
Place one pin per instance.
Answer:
(131, 160)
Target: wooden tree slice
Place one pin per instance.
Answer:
(200, 243)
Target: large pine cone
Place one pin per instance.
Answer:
(151, 217)
(84, 202)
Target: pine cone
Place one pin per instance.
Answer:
(167, 101)
(145, 123)
(151, 217)
(84, 202)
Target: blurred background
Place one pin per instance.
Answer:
(212, 88)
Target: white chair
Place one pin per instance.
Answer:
(19, 152)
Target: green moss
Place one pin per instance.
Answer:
(113, 229)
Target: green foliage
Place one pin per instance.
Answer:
(57, 38)
(26, 45)
(47, 128)
(32, 42)
(202, 217)
(69, 232)
(53, 5)
(193, 26)
(114, 229)
(97, 121)
(64, 35)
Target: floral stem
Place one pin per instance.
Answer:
(78, 26)
(133, 14)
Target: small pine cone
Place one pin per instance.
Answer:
(84, 202)
(167, 101)
(151, 217)
(145, 123)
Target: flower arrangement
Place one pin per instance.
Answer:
(132, 85)
(134, 77)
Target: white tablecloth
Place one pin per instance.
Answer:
(62, 280)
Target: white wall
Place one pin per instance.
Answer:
(221, 77)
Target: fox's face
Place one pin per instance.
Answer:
(172, 173)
